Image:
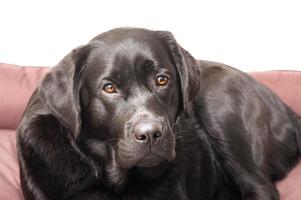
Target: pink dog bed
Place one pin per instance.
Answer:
(18, 83)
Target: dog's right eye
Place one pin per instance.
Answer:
(161, 80)
(109, 88)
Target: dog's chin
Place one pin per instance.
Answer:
(149, 170)
(149, 161)
(149, 167)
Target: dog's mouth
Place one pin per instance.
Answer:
(150, 170)
(129, 156)
(150, 160)
(146, 143)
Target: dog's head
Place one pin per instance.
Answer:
(127, 88)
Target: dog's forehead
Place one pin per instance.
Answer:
(120, 34)
(129, 43)
(130, 49)
(127, 54)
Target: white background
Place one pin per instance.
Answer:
(249, 35)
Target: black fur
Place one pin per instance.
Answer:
(212, 132)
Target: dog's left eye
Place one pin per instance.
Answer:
(161, 80)
(109, 88)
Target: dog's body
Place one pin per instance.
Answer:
(133, 116)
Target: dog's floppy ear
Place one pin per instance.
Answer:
(59, 90)
(186, 67)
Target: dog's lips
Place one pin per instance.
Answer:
(151, 172)
(144, 160)
(131, 154)
(150, 160)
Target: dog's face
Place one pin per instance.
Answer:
(130, 97)
(125, 88)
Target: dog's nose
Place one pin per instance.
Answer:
(147, 132)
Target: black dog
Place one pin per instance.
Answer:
(132, 115)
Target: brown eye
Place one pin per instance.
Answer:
(109, 88)
(161, 80)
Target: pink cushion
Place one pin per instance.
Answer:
(289, 188)
(18, 83)
(9, 169)
(16, 87)
(286, 84)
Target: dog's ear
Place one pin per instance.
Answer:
(186, 67)
(59, 90)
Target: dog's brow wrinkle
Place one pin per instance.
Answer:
(132, 48)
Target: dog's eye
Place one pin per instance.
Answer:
(161, 80)
(109, 88)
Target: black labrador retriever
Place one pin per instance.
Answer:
(132, 115)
